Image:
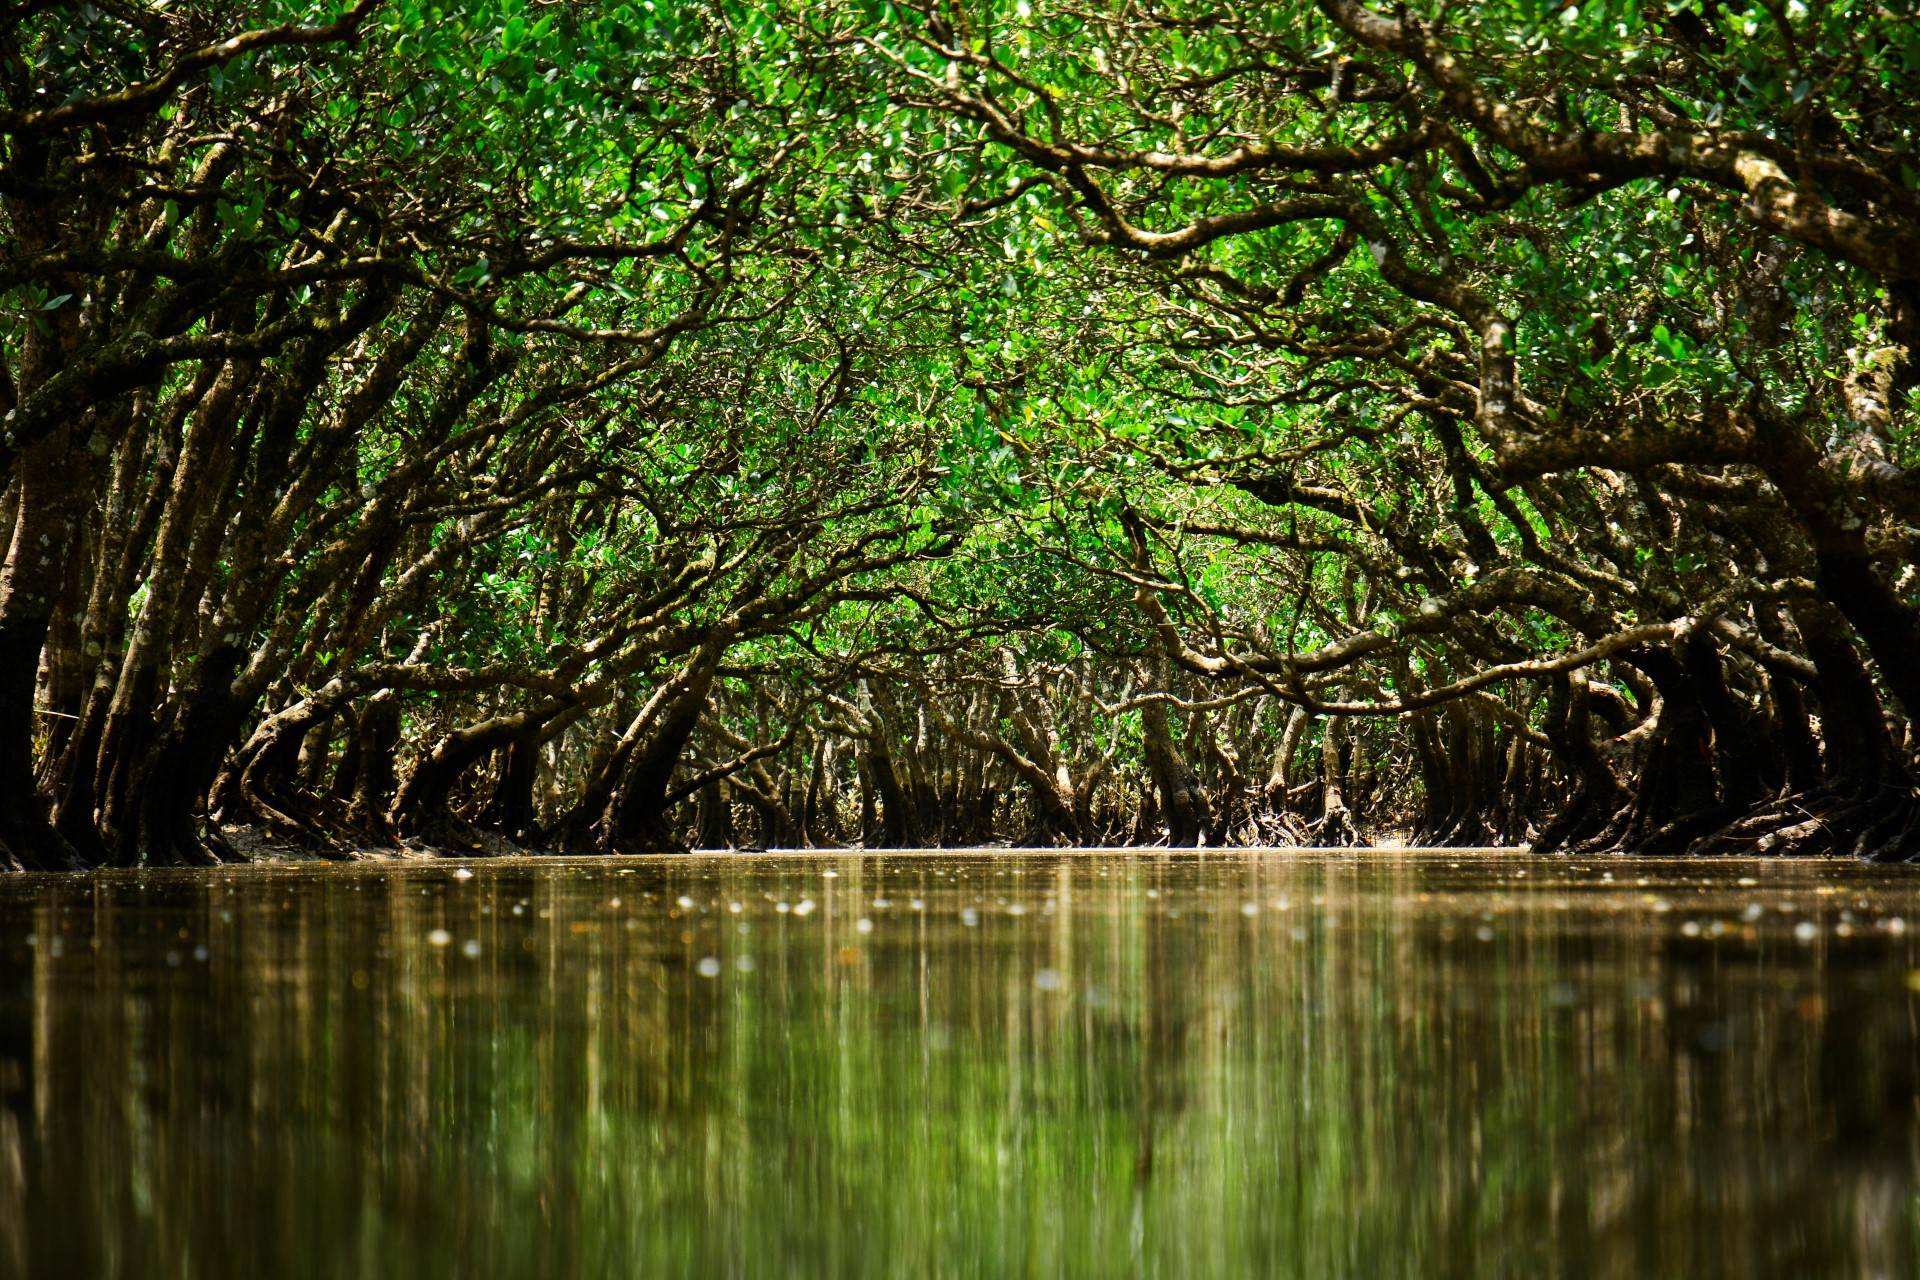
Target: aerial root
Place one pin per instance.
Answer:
(1883, 828)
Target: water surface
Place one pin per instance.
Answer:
(1376, 1063)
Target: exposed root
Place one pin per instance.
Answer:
(28, 842)
(1337, 828)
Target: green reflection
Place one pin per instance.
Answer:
(1179, 1065)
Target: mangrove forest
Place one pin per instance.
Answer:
(619, 426)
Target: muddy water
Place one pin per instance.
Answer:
(1280, 1064)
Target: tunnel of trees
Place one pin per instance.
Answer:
(595, 427)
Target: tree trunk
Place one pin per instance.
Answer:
(1181, 799)
(378, 737)
(1597, 793)
(56, 478)
(1337, 826)
(421, 811)
(509, 810)
(637, 814)
(715, 818)
(169, 789)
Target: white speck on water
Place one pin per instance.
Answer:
(1249, 908)
(439, 937)
(709, 967)
(1047, 979)
(829, 874)
(782, 907)
(804, 907)
(1746, 882)
(1153, 893)
(1484, 933)
(461, 873)
(882, 904)
(734, 907)
(614, 903)
(200, 953)
(744, 964)
(1691, 928)
(470, 948)
(1016, 910)
(686, 903)
(1753, 912)
(969, 917)
(916, 904)
(863, 924)
(1806, 931)
(1894, 924)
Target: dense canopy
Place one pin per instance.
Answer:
(623, 427)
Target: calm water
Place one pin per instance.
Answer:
(1280, 1064)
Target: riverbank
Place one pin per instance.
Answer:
(258, 846)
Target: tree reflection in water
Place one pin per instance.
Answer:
(1364, 1064)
